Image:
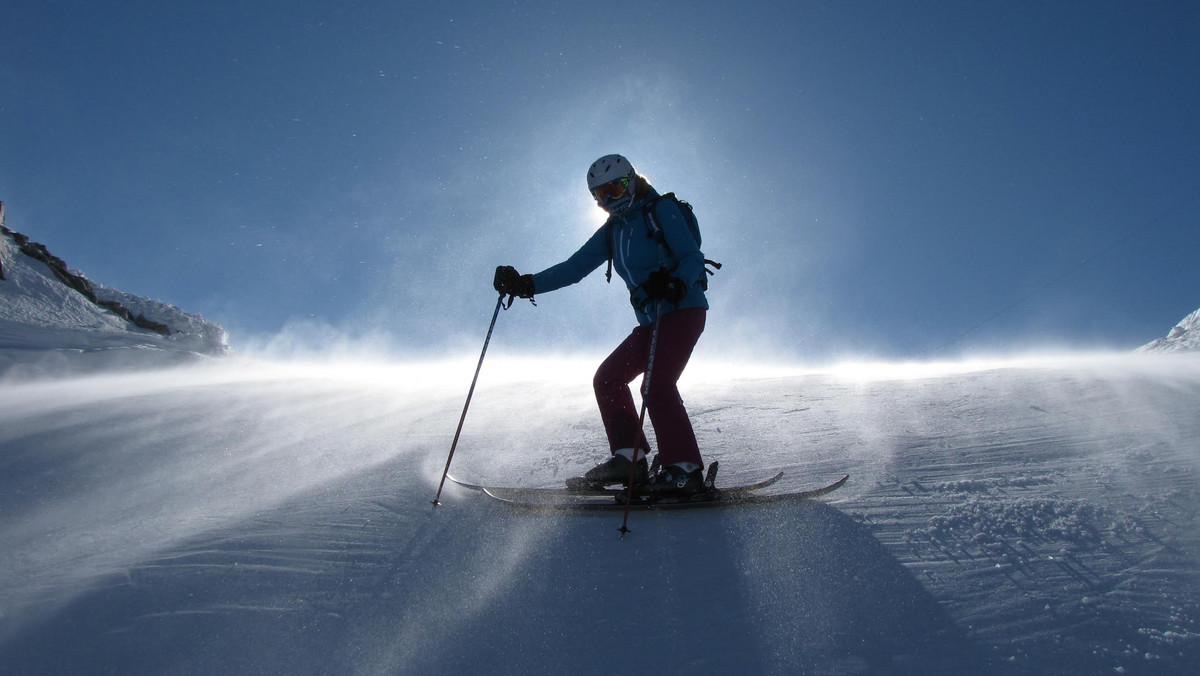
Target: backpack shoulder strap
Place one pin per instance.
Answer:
(608, 239)
(652, 218)
(657, 233)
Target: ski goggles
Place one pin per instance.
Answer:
(607, 193)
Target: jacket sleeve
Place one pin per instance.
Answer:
(590, 256)
(679, 238)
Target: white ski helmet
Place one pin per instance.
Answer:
(610, 169)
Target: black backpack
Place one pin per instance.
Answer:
(655, 232)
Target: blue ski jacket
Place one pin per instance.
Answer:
(635, 254)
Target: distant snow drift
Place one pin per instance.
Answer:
(245, 517)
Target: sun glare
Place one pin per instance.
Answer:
(592, 216)
(453, 375)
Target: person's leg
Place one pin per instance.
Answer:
(613, 396)
(677, 335)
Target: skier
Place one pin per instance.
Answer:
(649, 241)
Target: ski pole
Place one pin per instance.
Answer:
(641, 418)
(470, 393)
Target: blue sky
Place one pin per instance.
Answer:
(893, 179)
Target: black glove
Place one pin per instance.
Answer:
(509, 282)
(661, 285)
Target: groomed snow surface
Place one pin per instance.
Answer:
(1020, 517)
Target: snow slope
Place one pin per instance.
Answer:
(1034, 516)
(1021, 517)
(49, 328)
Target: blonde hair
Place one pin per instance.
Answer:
(641, 186)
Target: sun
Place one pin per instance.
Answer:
(593, 215)
(587, 215)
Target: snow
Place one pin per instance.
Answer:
(237, 515)
(1183, 337)
(48, 328)
(244, 516)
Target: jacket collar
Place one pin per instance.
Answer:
(635, 208)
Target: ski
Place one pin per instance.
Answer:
(559, 500)
(520, 493)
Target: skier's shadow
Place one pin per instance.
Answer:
(326, 585)
(782, 589)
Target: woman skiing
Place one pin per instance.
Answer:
(649, 241)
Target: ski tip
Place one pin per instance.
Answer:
(464, 484)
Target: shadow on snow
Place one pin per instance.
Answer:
(350, 579)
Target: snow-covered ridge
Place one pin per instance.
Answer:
(54, 318)
(1184, 337)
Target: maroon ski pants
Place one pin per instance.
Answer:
(678, 332)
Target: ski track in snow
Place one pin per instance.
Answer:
(258, 520)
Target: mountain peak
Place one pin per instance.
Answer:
(51, 314)
(1183, 337)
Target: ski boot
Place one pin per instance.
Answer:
(613, 471)
(681, 480)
